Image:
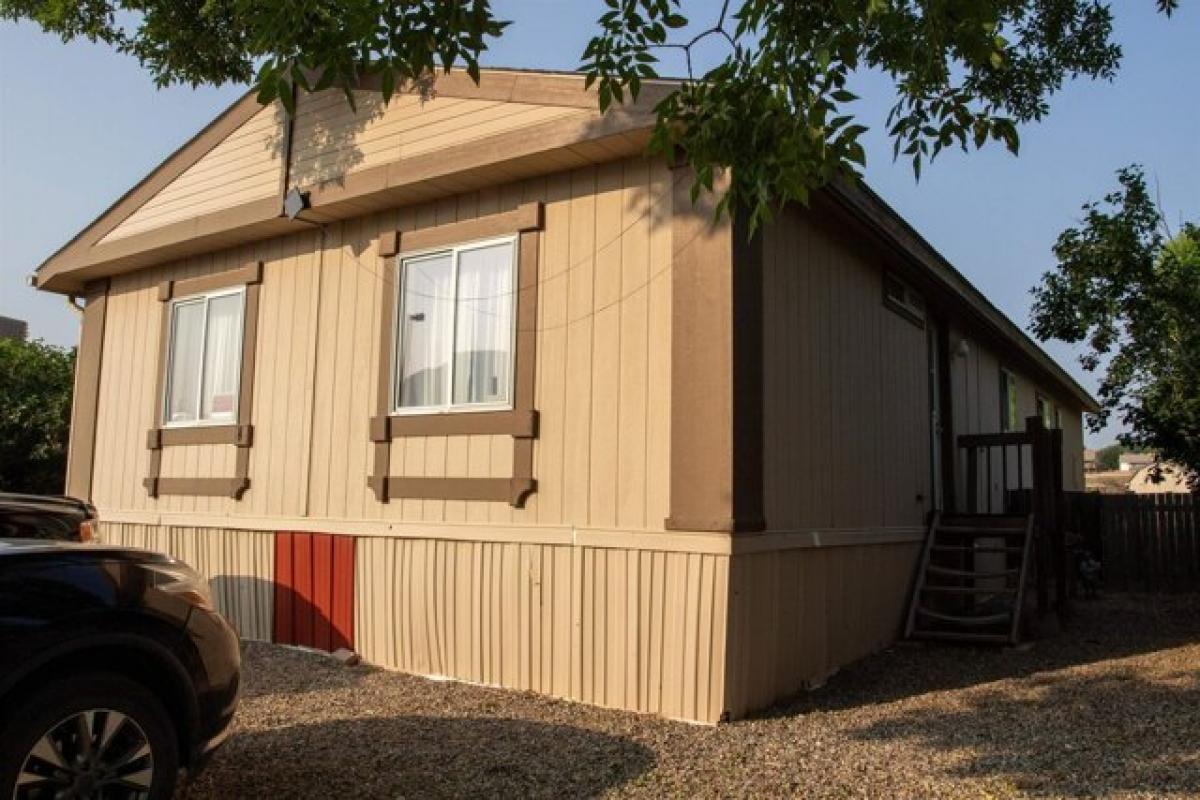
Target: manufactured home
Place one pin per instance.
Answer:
(466, 383)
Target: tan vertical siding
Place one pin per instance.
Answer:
(244, 167)
(975, 385)
(240, 566)
(846, 404)
(127, 406)
(633, 629)
(1072, 423)
(796, 616)
(601, 457)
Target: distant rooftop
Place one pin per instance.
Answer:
(14, 329)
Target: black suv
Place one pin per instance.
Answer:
(34, 516)
(115, 671)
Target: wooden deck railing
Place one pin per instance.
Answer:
(1021, 472)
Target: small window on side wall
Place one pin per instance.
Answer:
(455, 328)
(1047, 412)
(901, 298)
(1008, 401)
(204, 359)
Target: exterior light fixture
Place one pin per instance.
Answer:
(295, 202)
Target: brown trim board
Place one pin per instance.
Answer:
(521, 422)
(496, 490)
(85, 406)
(518, 86)
(240, 434)
(945, 390)
(192, 151)
(747, 293)
(249, 275)
(526, 217)
(386, 248)
(958, 296)
(716, 367)
(199, 487)
(517, 423)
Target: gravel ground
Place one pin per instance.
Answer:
(1111, 708)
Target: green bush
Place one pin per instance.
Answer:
(35, 415)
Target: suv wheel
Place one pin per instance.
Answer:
(102, 737)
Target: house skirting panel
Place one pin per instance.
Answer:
(620, 619)
(682, 625)
(239, 564)
(797, 615)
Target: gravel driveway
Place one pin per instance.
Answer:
(1111, 709)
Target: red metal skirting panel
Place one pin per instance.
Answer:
(314, 590)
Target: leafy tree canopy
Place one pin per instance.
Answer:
(35, 415)
(776, 107)
(1130, 291)
(1109, 458)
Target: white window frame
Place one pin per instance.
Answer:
(910, 304)
(450, 407)
(1050, 417)
(205, 298)
(1008, 380)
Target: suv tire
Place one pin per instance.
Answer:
(132, 750)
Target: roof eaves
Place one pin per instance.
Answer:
(181, 158)
(864, 203)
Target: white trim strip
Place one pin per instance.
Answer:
(705, 542)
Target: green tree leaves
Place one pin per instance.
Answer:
(278, 45)
(35, 415)
(775, 110)
(1130, 292)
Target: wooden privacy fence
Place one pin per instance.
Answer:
(1147, 542)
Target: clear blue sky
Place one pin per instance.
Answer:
(79, 125)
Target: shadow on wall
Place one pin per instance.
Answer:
(422, 756)
(271, 612)
(327, 132)
(246, 602)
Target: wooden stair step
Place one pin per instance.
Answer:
(981, 532)
(962, 636)
(934, 569)
(985, 520)
(989, 619)
(960, 534)
(968, 590)
(983, 548)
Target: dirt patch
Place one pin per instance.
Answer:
(1109, 708)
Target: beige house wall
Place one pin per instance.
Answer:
(602, 374)
(797, 615)
(975, 380)
(845, 402)
(332, 140)
(608, 623)
(647, 321)
(846, 467)
(633, 621)
(580, 594)
(847, 449)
